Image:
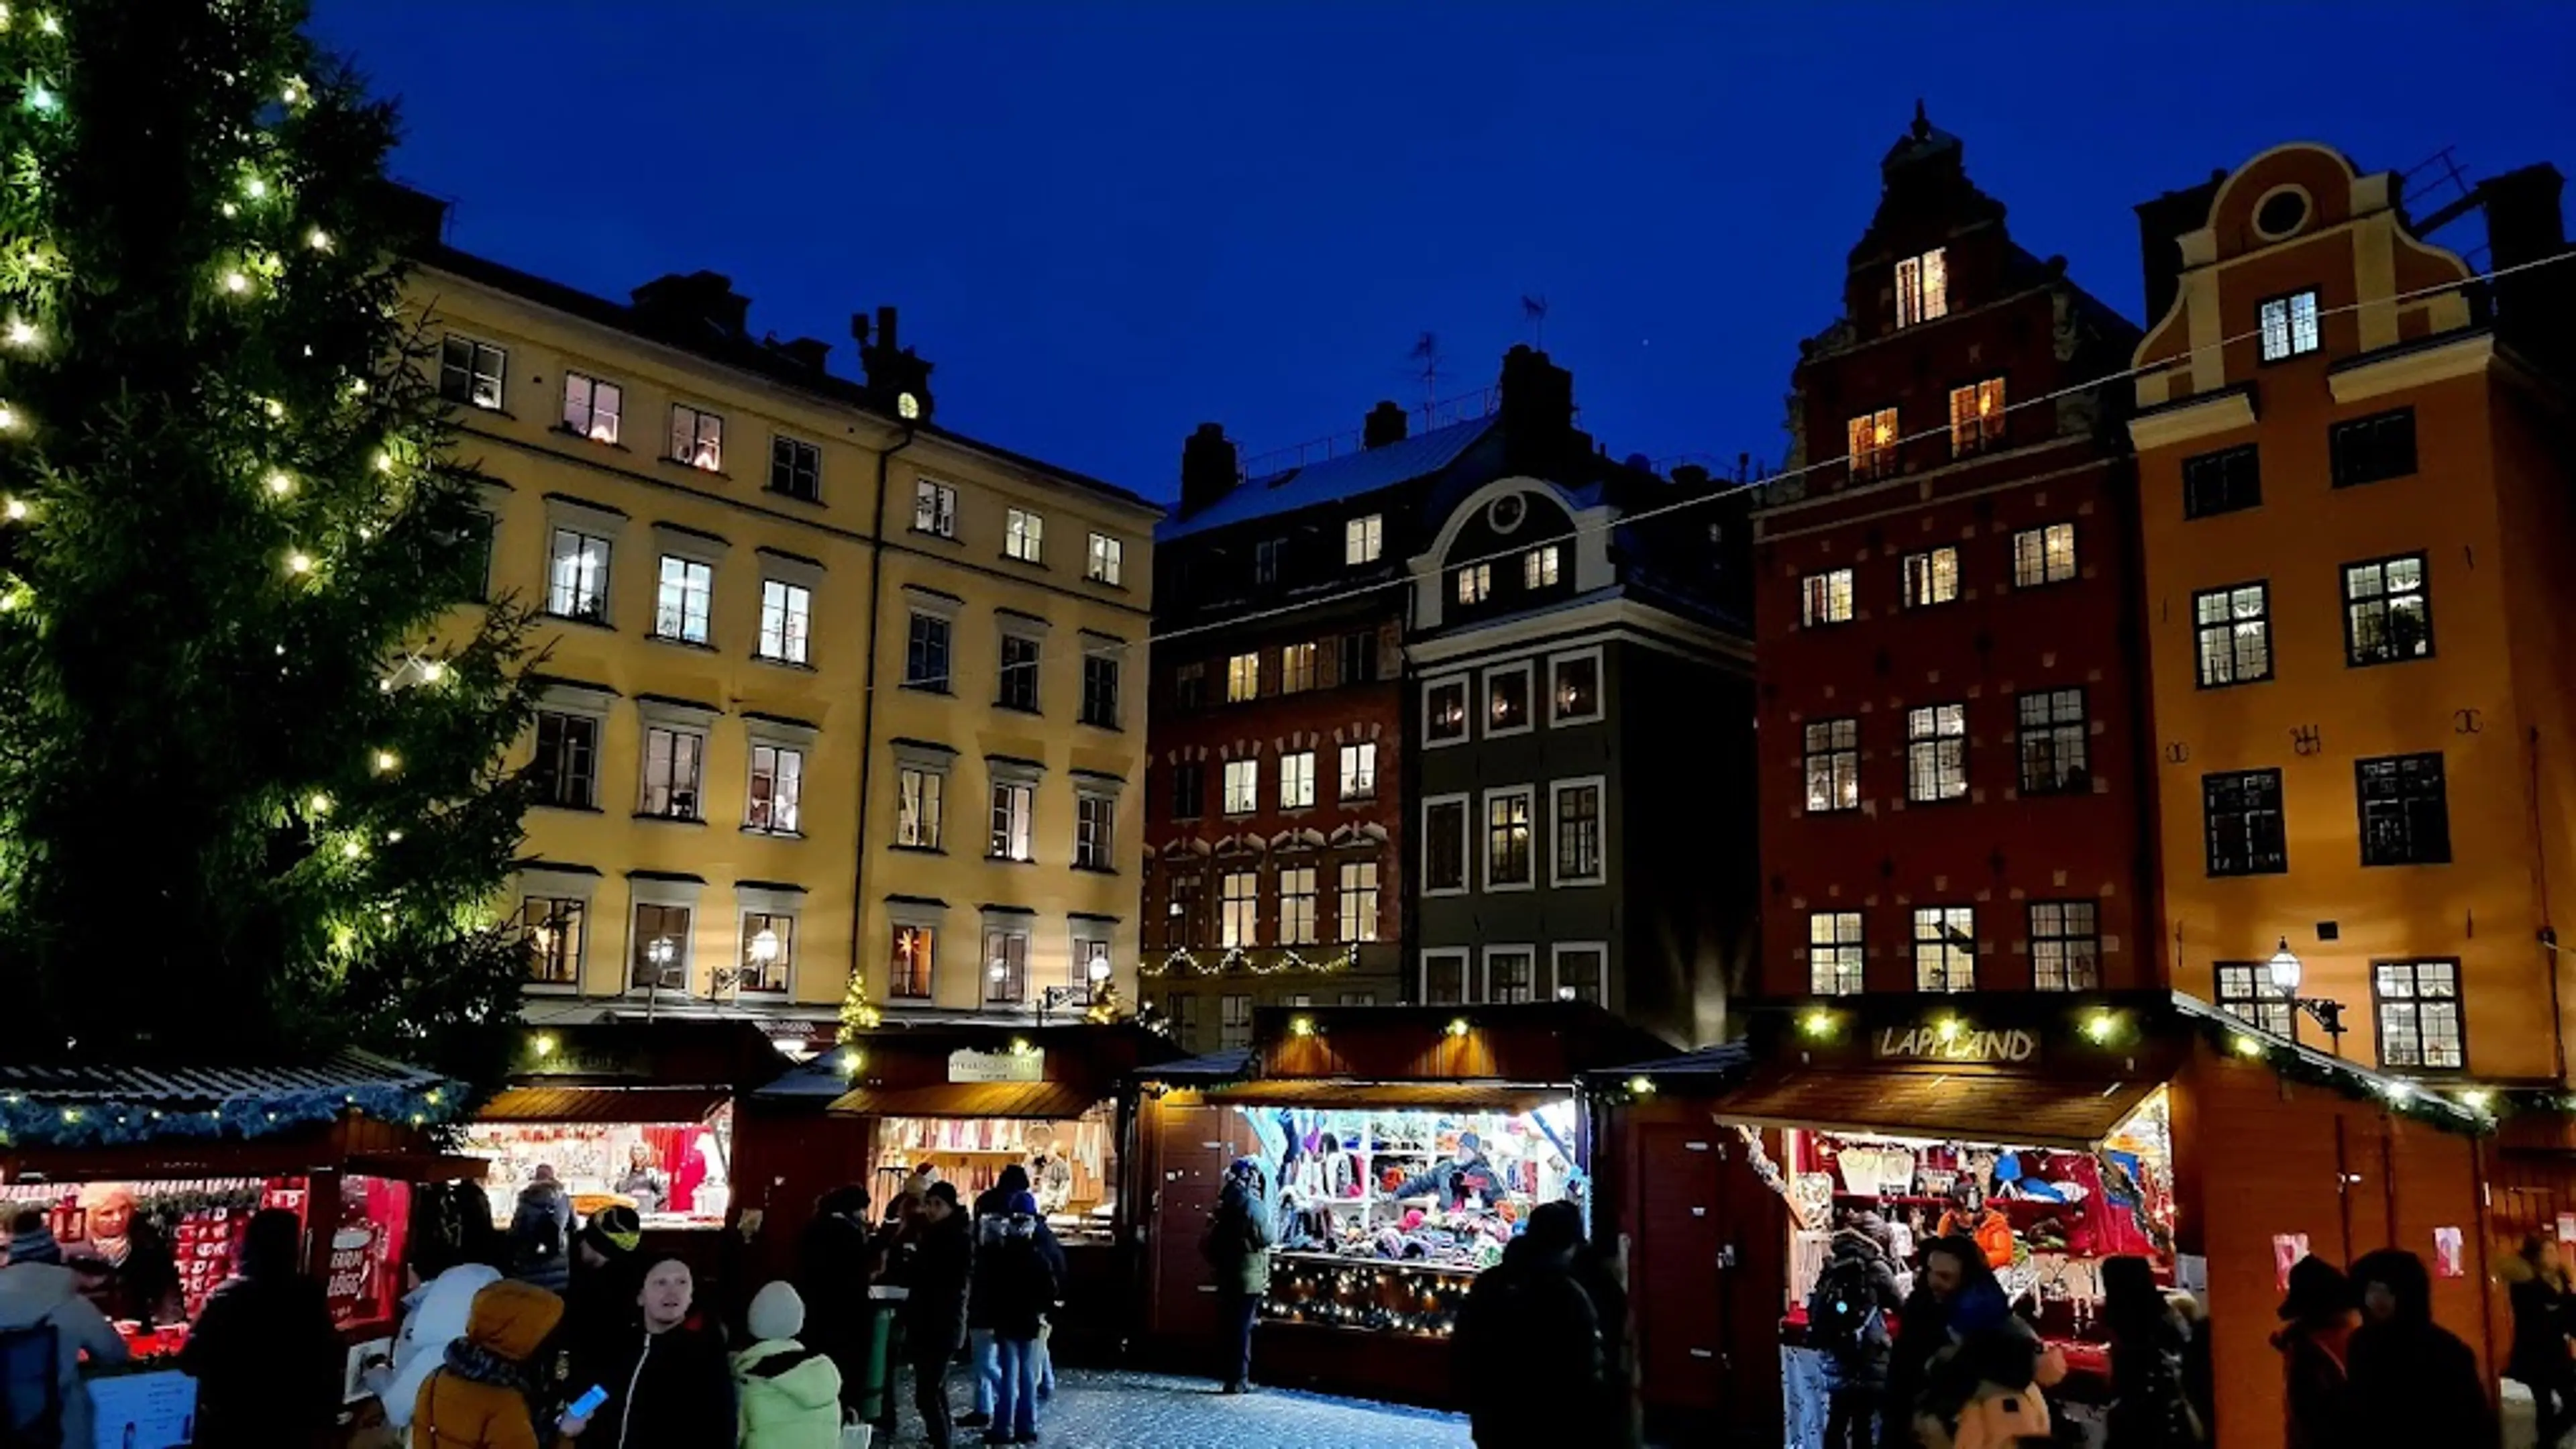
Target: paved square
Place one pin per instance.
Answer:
(1095, 1409)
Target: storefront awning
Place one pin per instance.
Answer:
(1450, 1096)
(1043, 1101)
(2033, 1111)
(604, 1104)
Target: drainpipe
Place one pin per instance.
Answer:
(2548, 925)
(868, 700)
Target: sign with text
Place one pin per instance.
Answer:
(968, 1065)
(1955, 1041)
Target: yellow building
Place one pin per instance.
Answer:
(2354, 521)
(729, 545)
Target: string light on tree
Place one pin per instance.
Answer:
(280, 482)
(299, 563)
(22, 333)
(318, 239)
(387, 762)
(15, 509)
(236, 283)
(8, 418)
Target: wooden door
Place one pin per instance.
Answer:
(1193, 1144)
(1675, 1277)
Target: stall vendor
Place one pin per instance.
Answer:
(645, 1181)
(1466, 1174)
(1971, 1216)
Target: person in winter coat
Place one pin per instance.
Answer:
(599, 1318)
(2318, 1320)
(2413, 1381)
(1847, 1317)
(38, 1294)
(2151, 1405)
(836, 1261)
(790, 1394)
(672, 1385)
(1015, 1284)
(264, 1354)
(1237, 1246)
(2199, 1376)
(1528, 1344)
(942, 1261)
(1957, 1332)
(2543, 1316)
(483, 1393)
(438, 1312)
(540, 1233)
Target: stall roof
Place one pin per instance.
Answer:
(1047, 1101)
(691, 1053)
(603, 1104)
(2037, 1111)
(168, 1085)
(1443, 1096)
(1221, 1066)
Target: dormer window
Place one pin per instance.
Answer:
(2290, 326)
(1922, 288)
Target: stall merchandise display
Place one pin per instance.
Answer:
(673, 1174)
(200, 1221)
(1072, 1165)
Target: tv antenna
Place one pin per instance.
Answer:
(1426, 359)
(1534, 312)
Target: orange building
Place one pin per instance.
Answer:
(2356, 529)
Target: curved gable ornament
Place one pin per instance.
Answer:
(1591, 541)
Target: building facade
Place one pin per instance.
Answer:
(1952, 768)
(2355, 511)
(727, 546)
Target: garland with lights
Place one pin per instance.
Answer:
(32, 1121)
(1238, 960)
(1388, 1297)
(253, 711)
(2393, 1094)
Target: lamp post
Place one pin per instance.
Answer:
(658, 952)
(2285, 969)
(764, 952)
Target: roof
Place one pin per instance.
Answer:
(603, 1104)
(1219, 1066)
(1046, 1101)
(2022, 1111)
(116, 1104)
(1726, 1059)
(184, 1086)
(1348, 476)
(1514, 1097)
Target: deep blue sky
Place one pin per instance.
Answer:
(1107, 222)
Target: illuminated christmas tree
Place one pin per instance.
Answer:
(858, 1014)
(252, 714)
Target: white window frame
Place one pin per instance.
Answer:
(596, 423)
(1467, 982)
(1465, 684)
(786, 622)
(474, 394)
(1600, 823)
(1923, 288)
(1238, 932)
(1024, 535)
(685, 895)
(1099, 796)
(1245, 772)
(1528, 671)
(678, 722)
(1297, 779)
(1870, 441)
(2044, 555)
(1833, 921)
(786, 783)
(1019, 836)
(1832, 589)
(1932, 745)
(1346, 894)
(924, 916)
(1976, 416)
(929, 800)
(1363, 540)
(1296, 928)
(705, 444)
(1484, 844)
(1485, 971)
(1541, 567)
(560, 887)
(1006, 926)
(669, 596)
(778, 905)
(1557, 952)
(1102, 654)
(1103, 559)
(934, 508)
(1557, 713)
(561, 592)
(1357, 776)
(1468, 850)
(2281, 342)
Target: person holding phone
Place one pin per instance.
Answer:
(483, 1396)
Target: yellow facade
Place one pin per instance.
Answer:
(666, 556)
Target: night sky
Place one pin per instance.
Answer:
(1108, 222)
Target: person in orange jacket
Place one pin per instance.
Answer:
(1971, 1216)
(482, 1396)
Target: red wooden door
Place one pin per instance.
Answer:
(1195, 1144)
(1673, 1266)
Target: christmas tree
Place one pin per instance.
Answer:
(252, 712)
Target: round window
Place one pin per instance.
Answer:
(2280, 213)
(1505, 513)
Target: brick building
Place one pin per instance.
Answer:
(1951, 769)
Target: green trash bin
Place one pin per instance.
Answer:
(875, 1381)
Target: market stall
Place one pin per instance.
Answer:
(2052, 1132)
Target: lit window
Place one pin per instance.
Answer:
(1870, 439)
(591, 407)
(2387, 616)
(1945, 948)
(553, 930)
(2043, 555)
(1238, 925)
(1475, 583)
(1242, 786)
(2245, 991)
(1826, 597)
(566, 768)
(1094, 819)
(2241, 820)
(916, 821)
(2290, 326)
(1006, 967)
(697, 438)
(1507, 700)
(1297, 668)
(1578, 832)
(1936, 753)
(1363, 539)
(1024, 536)
(1297, 780)
(661, 937)
(577, 577)
(1444, 845)
(2052, 741)
(1538, 568)
(687, 593)
(2065, 946)
(1357, 901)
(1922, 288)
(2419, 1014)
(1013, 805)
(1359, 771)
(1242, 678)
(795, 468)
(786, 619)
(2405, 810)
(1575, 690)
(934, 509)
(1507, 839)
(1103, 559)
(777, 781)
(2233, 628)
(673, 759)
(1833, 765)
(925, 653)
(768, 952)
(1976, 417)
(1297, 906)
(908, 960)
(1834, 957)
(470, 372)
(1444, 711)
(1931, 577)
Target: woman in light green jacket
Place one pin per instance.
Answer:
(790, 1394)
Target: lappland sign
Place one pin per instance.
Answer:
(1955, 1042)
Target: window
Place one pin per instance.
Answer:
(2235, 634)
(1833, 765)
(1189, 791)
(908, 960)
(1356, 901)
(2418, 1005)
(1013, 805)
(1507, 839)
(2044, 555)
(1870, 439)
(1931, 577)
(934, 509)
(2222, 482)
(1945, 948)
(1444, 978)
(1100, 690)
(681, 606)
(1359, 772)
(2387, 616)
(661, 961)
(1834, 956)
(591, 407)
(673, 760)
(1936, 752)
(1828, 597)
(1578, 832)
(577, 577)
(1359, 658)
(697, 438)
(1297, 668)
(1574, 688)
(566, 769)
(2245, 991)
(1104, 560)
(2065, 949)
(917, 809)
(1538, 568)
(2373, 449)
(1238, 924)
(1242, 786)
(2241, 815)
(554, 934)
(2290, 326)
(473, 561)
(1024, 536)
(1018, 686)
(1511, 974)
(1297, 780)
(1578, 973)
(1006, 967)
(1090, 944)
(925, 653)
(1922, 288)
(1184, 919)
(786, 620)
(1297, 905)
(1234, 1021)
(768, 952)
(2052, 743)
(1444, 845)
(1094, 819)
(1475, 583)
(795, 468)
(1185, 1019)
(1363, 539)
(1976, 417)
(1242, 678)
(1444, 711)
(469, 372)
(1507, 694)
(2405, 810)
(1265, 560)
(1189, 686)
(777, 781)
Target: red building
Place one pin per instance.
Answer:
(1952, 786)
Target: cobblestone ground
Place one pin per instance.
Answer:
(1094, 1409)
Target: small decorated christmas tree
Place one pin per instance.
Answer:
(858, 1014)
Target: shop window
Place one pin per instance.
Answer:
(1073, 1162)
(1297, 905)
(1359, 772)
(1024, 536)
(917, 815)
(926, 652)
(1936, 753)
(1359, 658)
(1976, 417)
(1930, 577)
(1871, 442)
(1104, 560)
(768, 953)
(2387, 616)
(1444, 978)
(1356, 899)
(777, 784)
(1579, 836)
(1297, 672)
(2043, 555)
(470, 372)
(2289, 326)
(1507, 839)
(674, 1173)
(1507, 701)
(1475, 584)
(2373, 449)
(1363, 539)
(1444, 711)
(1574, 688)
(2226, 481)
(2418, 1006)
(1444, 845)
(1834, 955)
(1833, 765)
(786, 621)
(1013, 805)
(697, 438)
(934, 509)
(795, 468)
(1238, 926)
(577, 577)
(1234, 1021)
(1006, 966)
(1242, 786)
(661, 949)
(1539, 568)
(554, 928)
(1923, 288)
(2065, 948)
(1094, 823)
(1945, 948)
(2245, 991)
(673, 760)
(1297, 780)
(1100, 689)
(591, 408)
(2052, 741)
(1189, 790)
(908, 963)
(2241, 815)
(1511, 974)
(1018, 685)
(1242, 678)
(1580, 971)
(2405, 810)
(566, 768)
(2234, 631)
(1826, 598)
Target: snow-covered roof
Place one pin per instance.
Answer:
(1348, 476)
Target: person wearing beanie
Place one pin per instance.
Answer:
(934, 1312)
(37, 1291)
(790, 1394)
(540, 1231)
(2318, 1319)
(599, 1300)
(483, 1394)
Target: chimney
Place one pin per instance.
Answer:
(1690, 475)
(694, 306)
(2525, 225)
(1209, 468)
(1538, 395)
(806, 352)
(419, 218)
(2161, 225)
(1384, 424)
(894, 374)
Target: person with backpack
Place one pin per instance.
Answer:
(1847, 1317)
(790, 1394)
(1237, 1247)
(45, 1327)
(1528, 1344)
(1015, 1284)
(541, 1233)
(483, 1394)
(266, 1359)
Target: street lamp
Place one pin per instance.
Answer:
(1096, 973)
(2285, 970)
